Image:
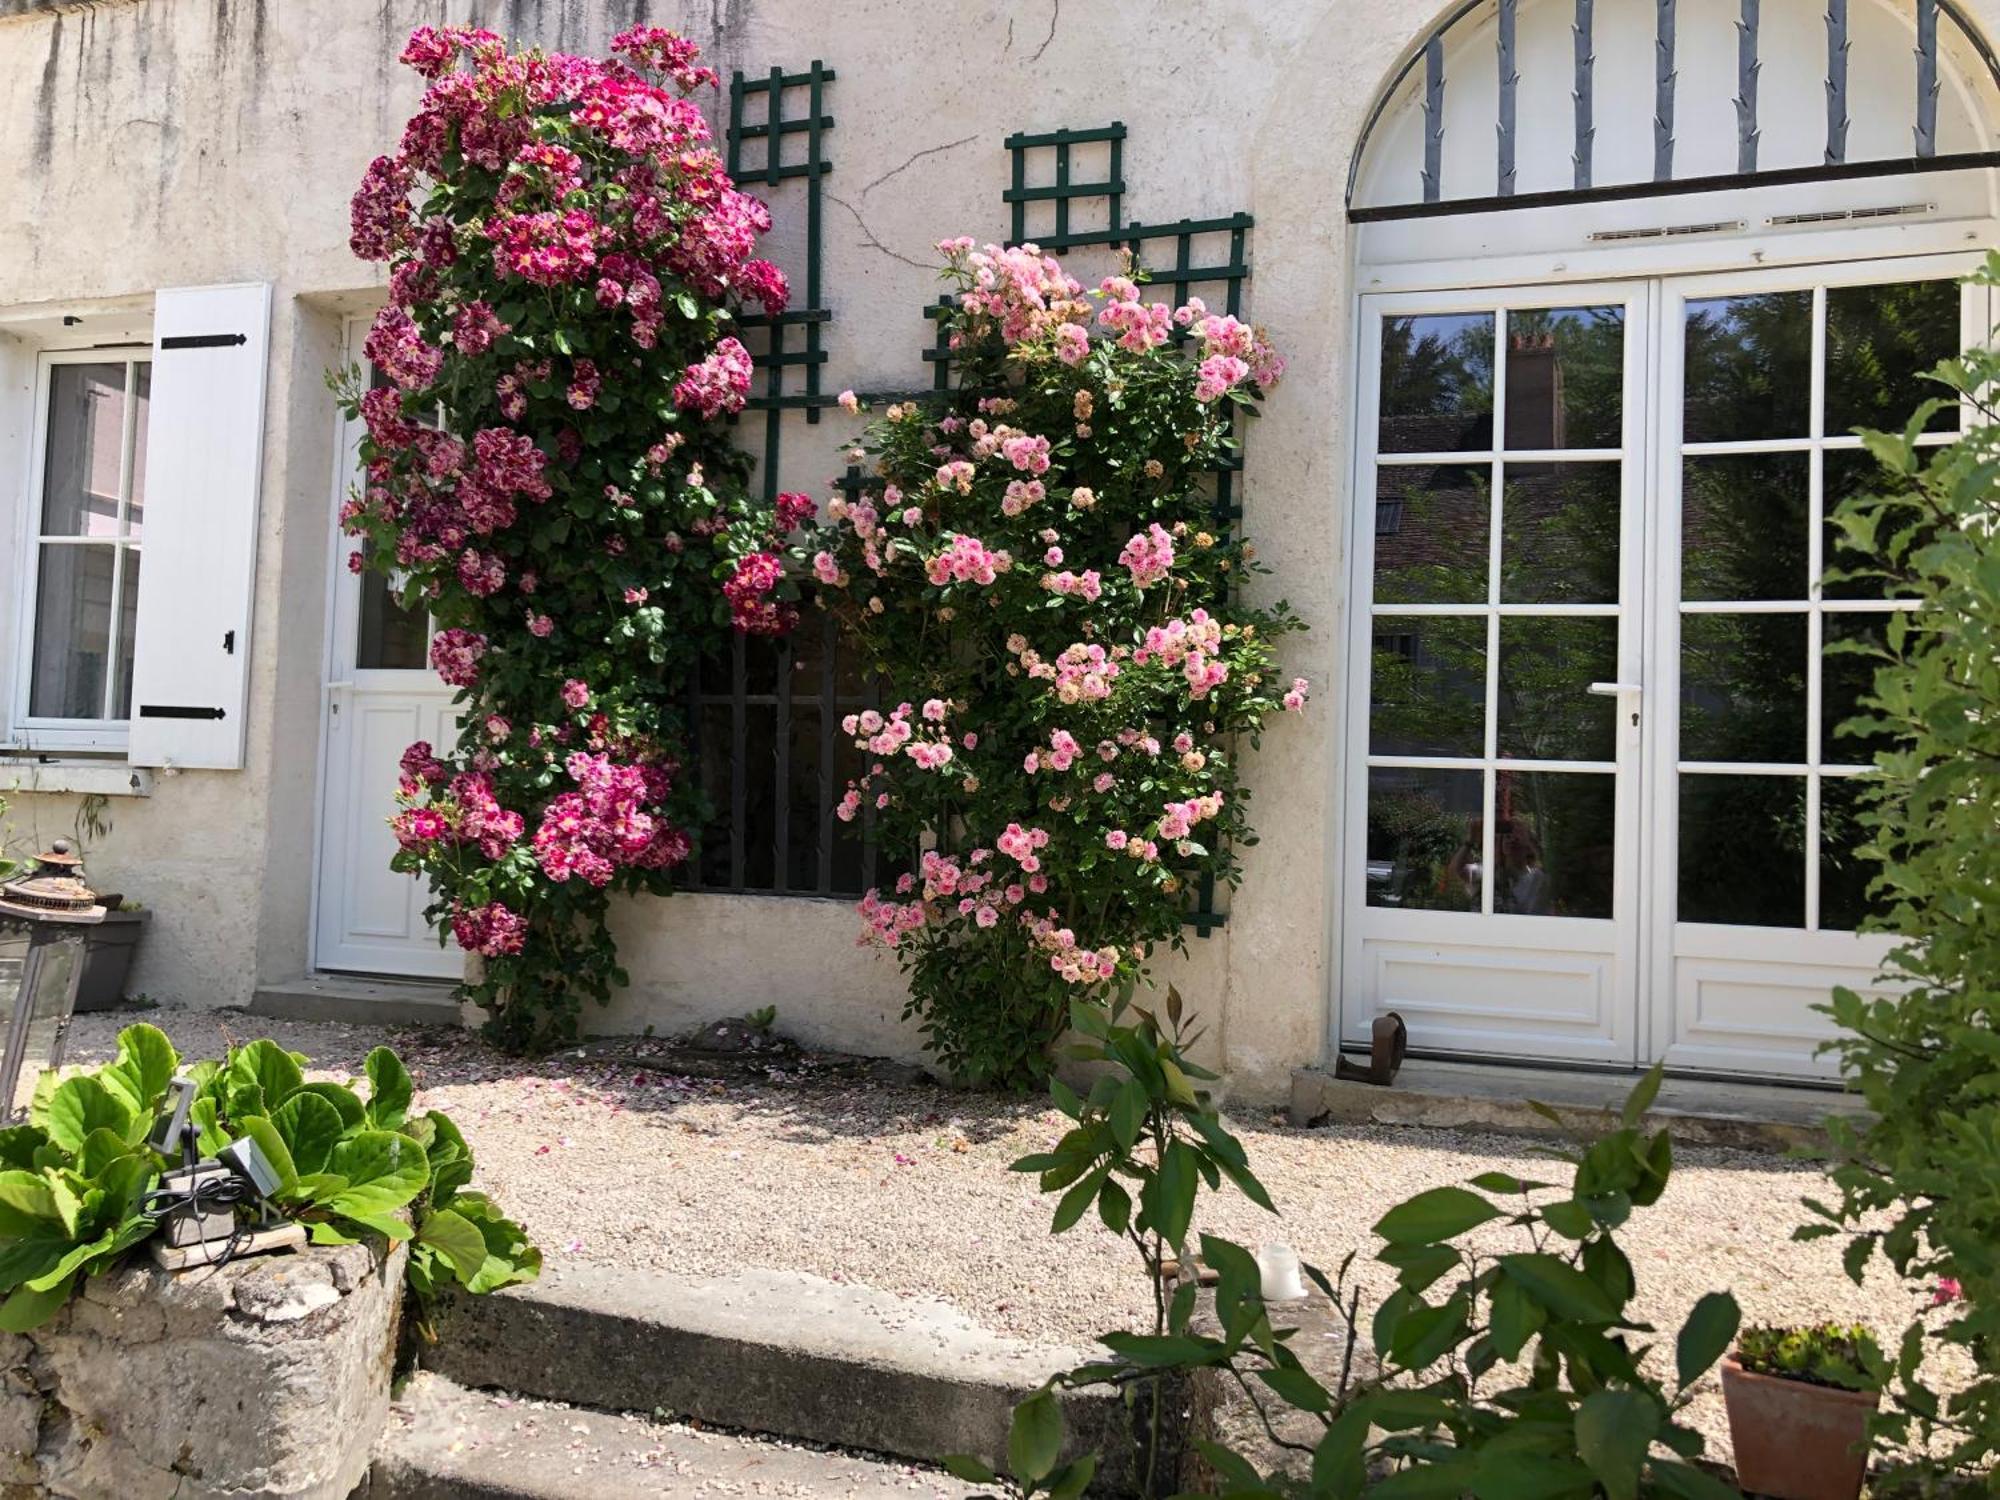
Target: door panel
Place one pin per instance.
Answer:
(1492, 902)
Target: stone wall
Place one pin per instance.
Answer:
(266, 1377)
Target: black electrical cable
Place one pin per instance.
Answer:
(199, 1198)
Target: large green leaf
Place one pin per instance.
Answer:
(510, 1258)
(457, 1239)
(27, 1204)
(25, 1310)
(144, 1067)
(1614, 1429)
(1705, 1335)
(1439, 1214)
(389, 1089)
(346, 1103)
(384, 1171)
(274, 1071)
(310, 1127)
(18, 1144)
(1560, 1287)
(81, 1105)
(1035, 1437)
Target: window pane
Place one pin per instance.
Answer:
(1743, 687)
(714, 743)
(1744, 527)
(1742, 850)
(1423, 839)
(72, 632)
(128, 625)
(760, 796)
(1546, 709)
(86, 443)
(1843, 874)
(1845, 678)
(1848, 473)
(1428, 694)
(1749, 367)
(1437, 384)
(389, 637)
(802, 804)
(1431, 525)
(1880, 341)
(1566, 377)
(135, 510)
(1559, 534)
(1554, 843)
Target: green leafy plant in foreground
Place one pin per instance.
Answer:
(1835, 1354)
(1919, 1176)
(1504, 1371)
(76, 1176)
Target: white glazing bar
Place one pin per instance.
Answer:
(1497, 518)
(1815, 619)
(1741, 768)
(127, 445)
(1487, 455)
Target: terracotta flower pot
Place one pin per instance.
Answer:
(1796, 1441)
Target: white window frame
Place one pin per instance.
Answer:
(44, 732)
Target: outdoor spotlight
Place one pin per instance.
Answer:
(247, 1162)
(45, 917)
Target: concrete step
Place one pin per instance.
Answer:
(770, 1351)
(357, 1001)
(444, 1442)
(1495, 1096)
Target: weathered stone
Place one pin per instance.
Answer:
(267, 1376)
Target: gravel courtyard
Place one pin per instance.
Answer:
(907, 1189)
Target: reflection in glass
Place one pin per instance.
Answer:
(1437, 384)
(72, 632)
(1423, 839)
(1748, 367)
(1743, 687)
(1427, 693)
(1546, 709)
(1559, 533)
(1844, 875)
(1742, 850)
(86, 446)
(387, 636)
(1743, 526)
(1880, 342)
(135, 508)
(1855, 572)
(1565, 377)
(1431, 525)
(128, 634)
(1845, 676)
(759, 772)
(1554, 843)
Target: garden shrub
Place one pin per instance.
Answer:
(1925, 1056)
(1503, 1373)
(76, 1179)
(1039, 579)
(564, 247)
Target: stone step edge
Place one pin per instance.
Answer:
(785, 1353)
(444, 1442)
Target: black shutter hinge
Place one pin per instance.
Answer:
(203, 340)
(178, 711)
(229, 642)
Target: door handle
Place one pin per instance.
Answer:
(340, 687)
(1613, 689)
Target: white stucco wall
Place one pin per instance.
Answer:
(174, 142)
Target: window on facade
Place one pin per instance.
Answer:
(83, 565)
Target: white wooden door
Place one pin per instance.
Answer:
(1493, 891)
(381, 696)
(1595, 659)
(1754, 892)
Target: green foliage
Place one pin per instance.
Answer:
(74, 1180)
(1504, 1372)
(1920, 1181)
(1836, 1354)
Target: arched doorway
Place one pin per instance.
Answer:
(1629, 277)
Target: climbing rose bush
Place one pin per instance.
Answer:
(545, 472)
(1072, 671)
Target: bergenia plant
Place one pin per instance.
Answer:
(545, 472)
(1073, 664)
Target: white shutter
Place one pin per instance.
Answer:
(197, 577)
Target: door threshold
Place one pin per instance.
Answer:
(359, 999)
(1489, 1095)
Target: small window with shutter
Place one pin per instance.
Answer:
(87, 510)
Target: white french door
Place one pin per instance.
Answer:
(381, 696)
(1596, 810)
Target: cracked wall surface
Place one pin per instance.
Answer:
(267, 1377)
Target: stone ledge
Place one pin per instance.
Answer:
(768, 1351)
(1483, 1096)
(358, 1002)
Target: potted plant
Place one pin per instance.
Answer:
(1799, 1401)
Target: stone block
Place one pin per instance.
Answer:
(265, 1377)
